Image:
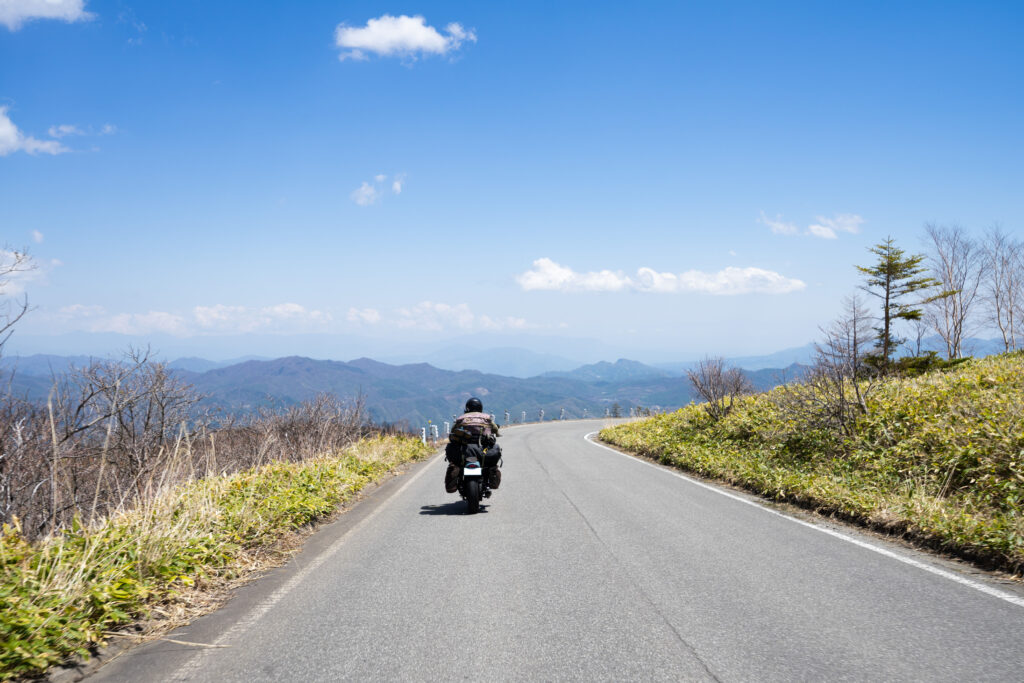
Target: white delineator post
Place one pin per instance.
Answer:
(423, 435)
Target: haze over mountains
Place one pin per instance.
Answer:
(417, 392)
(412, 393)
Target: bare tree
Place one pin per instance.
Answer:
(1003, 284)
(955, 262)
(719, 385)
(919, 328)
(834, 392)
(12, 262)
(118, 431)
(840, 359)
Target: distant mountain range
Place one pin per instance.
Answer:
(416, 392)
(412, 393)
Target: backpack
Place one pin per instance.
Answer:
(471, 428)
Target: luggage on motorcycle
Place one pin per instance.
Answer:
(471, 427)
(451, 479)
(487, 456)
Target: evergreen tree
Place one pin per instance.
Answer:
(892, 280)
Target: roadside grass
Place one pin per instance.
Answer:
(938, 459)
(66, 594)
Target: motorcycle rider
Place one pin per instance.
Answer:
(476, 430)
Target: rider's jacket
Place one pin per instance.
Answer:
(471, 427)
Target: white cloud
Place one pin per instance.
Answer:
(364, 316)
(365, 194)
(434, 317)
(547, 274)
(95, 318)
(81, 311)
(13, 140)
(551, 276)
(401, 36)
(13, 13)
(30, 271)
(143, 323)
(63, 130)
(827, 228)
(37, 237)
(370, 193)
(778, 226)
(216, 319)
(507, 323)
(240, 319)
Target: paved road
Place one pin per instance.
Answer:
(590, 565)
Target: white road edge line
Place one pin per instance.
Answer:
(191, 667)
(987, 590)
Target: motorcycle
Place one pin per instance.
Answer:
(478, 475)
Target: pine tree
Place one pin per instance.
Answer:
(892, 280)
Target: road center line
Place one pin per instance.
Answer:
(987, 590)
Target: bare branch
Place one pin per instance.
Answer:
(719, 385)
(955, 261)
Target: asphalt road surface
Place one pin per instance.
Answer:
(591, 565)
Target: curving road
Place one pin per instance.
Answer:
(591, 565)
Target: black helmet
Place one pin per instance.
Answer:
(474, 405)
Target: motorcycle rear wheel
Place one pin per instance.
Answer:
(473, 494)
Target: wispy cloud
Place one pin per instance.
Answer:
(277, 317)
(37, 237)
(551, 276)
(778, 226)
(402, 36)
(825, 228)
(14, 13)
(20, 272)
(215, 319)
(434, 317)
(363, 316)
(365, 194)
(64, 130)
(13, 140)
(372, 192)
(94, 318)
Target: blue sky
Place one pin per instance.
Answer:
(666, 179)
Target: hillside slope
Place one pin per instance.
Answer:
(939, 458)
